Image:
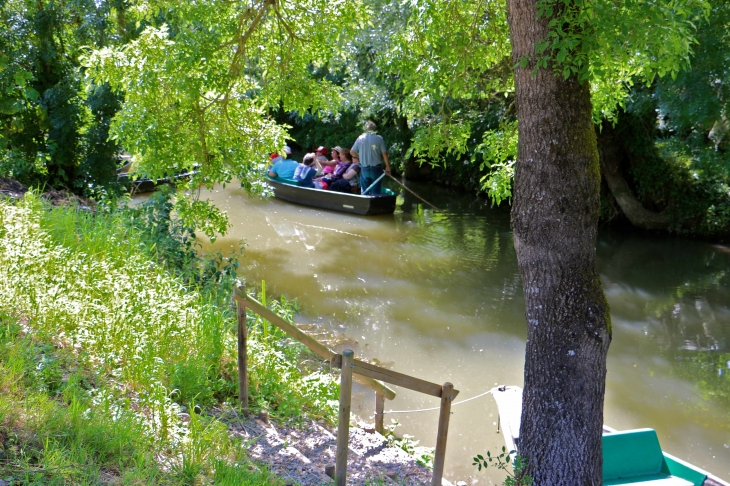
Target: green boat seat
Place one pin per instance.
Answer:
(660, 480)
(284, 180)
(635, 457)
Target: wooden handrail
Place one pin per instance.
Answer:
(394, 378)
(310, 342)
(366, 373)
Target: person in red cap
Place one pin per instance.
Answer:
(274, 159)
(322, 157)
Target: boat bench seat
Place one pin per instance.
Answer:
(661, 480)
(284, 180)
(635, 457)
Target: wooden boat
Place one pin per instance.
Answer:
(143, 185)
(288, 190)
(629, 456)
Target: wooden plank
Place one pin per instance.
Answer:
(242, 358)
(379, 409)
(375, 385)
(443, 431)
(395, 378)
(282, 324)
(308, 341)
(343, 420)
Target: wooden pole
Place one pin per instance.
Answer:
(343, 421)
(379, 407)
(443, 431)
(373, 184)
(419, 197)
(242, 365)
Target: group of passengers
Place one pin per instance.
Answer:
(349, 170)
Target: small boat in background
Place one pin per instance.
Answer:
(629, 456)
(142, 185)
(288, 190)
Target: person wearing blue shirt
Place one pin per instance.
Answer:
(284, 168)
(305, 172)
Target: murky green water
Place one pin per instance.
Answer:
(440, 298)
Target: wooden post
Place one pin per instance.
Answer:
(443, 431)
(379, 407)
(343, 421)
(242, 365)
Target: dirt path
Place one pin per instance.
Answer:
(300, 455)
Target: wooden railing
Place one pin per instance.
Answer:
(367, 374)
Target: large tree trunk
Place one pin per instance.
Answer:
(555, 219)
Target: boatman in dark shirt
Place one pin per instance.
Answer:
(370, 149)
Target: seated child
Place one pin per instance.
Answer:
(324, 181)
(305, 171)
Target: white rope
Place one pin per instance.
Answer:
(435, 408)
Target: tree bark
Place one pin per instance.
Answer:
(638, 215)
(555, 220)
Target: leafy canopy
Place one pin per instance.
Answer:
(446, 63)
(202, 79)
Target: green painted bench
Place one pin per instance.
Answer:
(284, 180)
(635, 456)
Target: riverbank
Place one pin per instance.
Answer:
(301, 454)
(117, 356)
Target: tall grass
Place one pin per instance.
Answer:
(115, 328)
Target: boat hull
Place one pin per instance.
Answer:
(335, 201)
(137, 186)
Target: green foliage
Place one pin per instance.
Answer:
(698, 99)
(98, 164)
(447, 51)
(682, 172)
(437, 138)
(499, 151)
(50, 433)
(330, 130)
(200, 85)
(289, 381)
(424, 455)
(217, 87)
(700, 189)
(503, 461)
(73, 435)
(612, 45)
(114, 323)
(52, 132)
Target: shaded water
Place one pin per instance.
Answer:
(440, 298)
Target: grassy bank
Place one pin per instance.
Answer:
(113, 334)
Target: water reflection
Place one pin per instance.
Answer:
(439, 296)
(669, 304)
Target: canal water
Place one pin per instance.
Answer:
(438, 296)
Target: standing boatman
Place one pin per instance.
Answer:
(370, 149)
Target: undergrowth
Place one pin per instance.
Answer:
(113, 332)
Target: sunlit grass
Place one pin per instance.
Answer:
(106, 349)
